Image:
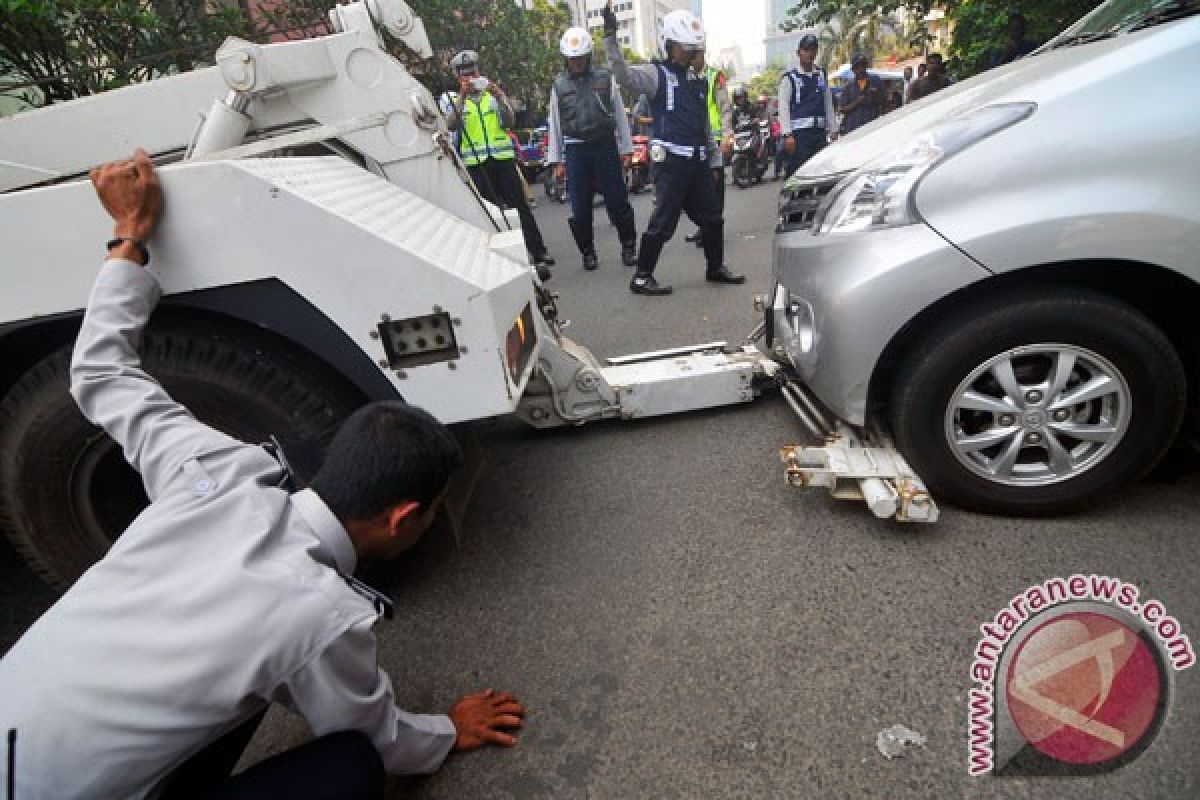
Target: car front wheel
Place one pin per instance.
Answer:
(1038, 402)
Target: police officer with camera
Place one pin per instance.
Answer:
(588, 141)
(481, 117)
(806, 114)
(683, 146)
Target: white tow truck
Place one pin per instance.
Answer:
(321, 246)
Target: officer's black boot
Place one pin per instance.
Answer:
(643, 279)
(714, 255)
(583, 240)
(627, 233)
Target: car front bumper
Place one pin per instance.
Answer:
(837, 300)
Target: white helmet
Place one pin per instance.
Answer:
(464, 61)
(575, 42)
(684, 28)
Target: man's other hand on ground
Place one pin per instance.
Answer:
(478, 718)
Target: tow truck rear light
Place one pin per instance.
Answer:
(519, 344)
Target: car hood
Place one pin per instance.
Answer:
(1037, 78)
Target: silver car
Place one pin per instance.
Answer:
(1008, 272)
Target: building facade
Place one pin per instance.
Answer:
(638, 21)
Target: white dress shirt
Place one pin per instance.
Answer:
(224, 595)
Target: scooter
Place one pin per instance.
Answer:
(637, 175)
(750, 152)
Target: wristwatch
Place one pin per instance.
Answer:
(137, 243)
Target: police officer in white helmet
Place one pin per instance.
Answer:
(588, 139)
(683, 146)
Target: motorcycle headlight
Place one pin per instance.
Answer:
(880, 194)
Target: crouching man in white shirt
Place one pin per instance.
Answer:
(228, 593)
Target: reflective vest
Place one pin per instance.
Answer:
(714, 111)
(678, 107)
(807, 109)
(482, 136)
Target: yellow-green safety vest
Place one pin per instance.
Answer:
(714, 111)
(482, 135)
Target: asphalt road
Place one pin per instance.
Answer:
(681, 624)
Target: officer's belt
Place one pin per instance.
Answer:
(681, 150)
(808, 122)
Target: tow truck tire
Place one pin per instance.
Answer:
(66, 491)
(1142, 391)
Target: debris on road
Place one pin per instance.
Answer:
(893, 742)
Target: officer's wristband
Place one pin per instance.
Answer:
(138, 245)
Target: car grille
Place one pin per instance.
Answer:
(802, 199)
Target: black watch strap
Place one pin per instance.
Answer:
(140, 245)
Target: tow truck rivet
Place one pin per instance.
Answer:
(452, 365)
(437, 309)
(401, 374)
(1062, 415)
(1034, 438)
(1033, 396)
(383, 362)
(1007, 419)
(374, 334)
(385, 317)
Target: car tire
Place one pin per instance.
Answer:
(66, 491)
(948, 401)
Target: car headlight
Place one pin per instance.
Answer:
(879, 195)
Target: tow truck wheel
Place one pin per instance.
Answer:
(66, 491)
(1038, 402)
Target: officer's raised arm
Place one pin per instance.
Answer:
(636, 78)
(108, 383)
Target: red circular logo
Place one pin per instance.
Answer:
(1085, 688)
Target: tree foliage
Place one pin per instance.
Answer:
(766, 82)
(979, 25)
(57, 50)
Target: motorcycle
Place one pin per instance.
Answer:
(637, 175)
(532, 155)
(751, 142)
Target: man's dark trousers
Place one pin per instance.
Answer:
(337, 766)
(596, 167)
(683, 185)
(498, 182)
(809, 142)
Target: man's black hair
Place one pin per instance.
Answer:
(384, 454)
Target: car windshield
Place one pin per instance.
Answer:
(1116, 17)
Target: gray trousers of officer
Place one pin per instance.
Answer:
(683, 185)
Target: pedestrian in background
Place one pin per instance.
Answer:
(482, 118)
(934, 80)
(1015, 44)
(806, 112)
(862, 98)
(589, 145)
(684, 146)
